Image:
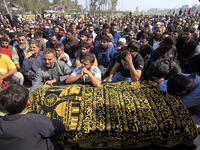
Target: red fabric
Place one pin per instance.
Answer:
(5, 84)
(7, 52)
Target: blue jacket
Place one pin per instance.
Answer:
(32, 63)
(116, 38)
(104, 56)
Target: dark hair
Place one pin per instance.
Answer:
(177, 83)
(4, 39)
(188, 29)
(37, 34)
(147, 25)
(106, 26)
(12, 34)
(84, 44)
(170, 40)
(56, 27)
(127, 30)
(113, 24)
(32, 29)
(70, 30)
(14, 98)
(59, 45)
(100, 23)
(54, 34)
(90, 36)
(21, 34)
(106, 38)
(90, 25)
(162, 69)
(6, 31)
(144, 36)
(61, 29)
(134, 45)
(18, 26)
(84, 33)
(89, 57)
(171, 28)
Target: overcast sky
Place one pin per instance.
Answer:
(131, 5)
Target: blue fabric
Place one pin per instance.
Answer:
(32, 62)
(104, 56)
(116, 38)
(191, 100)
(118, 77)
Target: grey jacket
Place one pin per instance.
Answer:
(60, 72)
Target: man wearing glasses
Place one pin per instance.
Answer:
(129, 63)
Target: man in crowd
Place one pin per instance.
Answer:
(187, 88)
(20, 50)
(186, 48)
(38, 38)
(61, 55)
(105, 31)
(114, 33)
(70, 42)
(87, 72)
(51, 71)
(129, 63)
(104, 54)
(53, 40)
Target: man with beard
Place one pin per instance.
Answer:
(84, 50)
(114, 33)
(70, 42)
(187, 87)
(145, 29)
(129, 64)
(13, 37)
(83, 36)
(61, 55)
(186, 48)
(91, 31)
(105, 31)
(61, 34)
(87, 72)
(156, 37)
(53, 40)
(19, 51)
(146, 50)
(51, 71)
(166, 50)
(104, 54)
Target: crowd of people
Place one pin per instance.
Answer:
(103, 49)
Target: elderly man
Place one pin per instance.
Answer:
(19, 51)
(51, 71)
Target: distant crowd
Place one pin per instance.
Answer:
(58, 48)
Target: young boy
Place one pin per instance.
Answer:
(25, 131)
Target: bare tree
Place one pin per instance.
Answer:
(102, 6)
